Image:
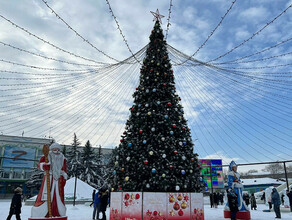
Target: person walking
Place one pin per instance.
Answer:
(233, 203)
(104, 202)
(253, 202)
(276, 202)
(15, 207)
(289, 194)
(96, 206)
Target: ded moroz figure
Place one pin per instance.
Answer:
(50, 200)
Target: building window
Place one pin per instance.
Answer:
(6, 173)
(17, 174)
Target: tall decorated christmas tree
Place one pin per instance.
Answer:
(155, 153)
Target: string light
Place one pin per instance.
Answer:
(121, 33)
(168, 19)
(77, 34)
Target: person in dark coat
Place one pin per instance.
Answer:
(211, 200)
(216, 199)
(289, 194)
(276, 202)
(264, 197)
(15, 207)
(104, 202)
(246, 198)
(221, 198)
(233, 203)
(253, 202)
(93, 195)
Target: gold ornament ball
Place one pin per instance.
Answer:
(163, 175)
(127, 178)
(116, 163)
(157, 74)
(151, 153)
(149, 113)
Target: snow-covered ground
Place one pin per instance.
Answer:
(84, 212)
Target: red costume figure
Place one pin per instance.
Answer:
(57, 175)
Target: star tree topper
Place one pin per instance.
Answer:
(157, 16)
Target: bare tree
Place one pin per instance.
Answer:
(274, 168)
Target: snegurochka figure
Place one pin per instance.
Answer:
(235, 184)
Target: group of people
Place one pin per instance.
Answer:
(100, 200)
(216, 198)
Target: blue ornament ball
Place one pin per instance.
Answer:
(166, 116)
(185, 143)
(158, 102)
(154, 90)
(114, 172)
(171, 132)
(144, 142)
(153, 170)
(183, 172)
(139, 105)
(129, 145)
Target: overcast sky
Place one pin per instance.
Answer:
(231, 116)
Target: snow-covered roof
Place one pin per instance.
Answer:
(260, 181)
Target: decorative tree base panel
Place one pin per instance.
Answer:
(239, 215)
(156, 205)
(52, 218)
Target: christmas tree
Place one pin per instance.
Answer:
(73, 159)
(156, 150)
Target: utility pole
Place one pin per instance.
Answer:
(286, 176)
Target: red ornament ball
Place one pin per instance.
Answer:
(175, 152)
(170, 167)
(169, 104)
(171, 71)
(174, 125)
(137, 196)
(127, 196)
(121, 140)
(136, 88)
(184, 128)
(164, 84)
(180, 213)
(146, 162)
(133, 109)
(176, 206)
(141, 131)
(151, 70)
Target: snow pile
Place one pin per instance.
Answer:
(83, 190)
